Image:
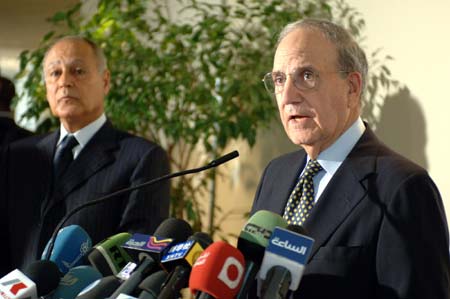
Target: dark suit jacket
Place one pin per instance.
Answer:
(112, 160)
(379, 226)
(10, 132)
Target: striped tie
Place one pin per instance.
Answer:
(301, 200)
(64, 155)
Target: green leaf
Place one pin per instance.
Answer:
(189, 77)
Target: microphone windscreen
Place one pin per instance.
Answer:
(45, 274)
(256, 233)
(151, 286)
(218, 271)
(108, 257)
(102, 288)
(202, 238)
(75, 281)
(289, 250)
(71, 244)
(176, 229)
(184, 254)
(170, 231)
(16, 285)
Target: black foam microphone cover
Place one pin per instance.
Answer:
(103, 289)
(151, 286)
(174, 228)
(45, 274)
(202, 238)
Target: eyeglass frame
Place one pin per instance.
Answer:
(296, 71)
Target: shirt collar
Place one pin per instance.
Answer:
(331, 158)
(84, 134)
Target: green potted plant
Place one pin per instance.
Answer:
(187, 76)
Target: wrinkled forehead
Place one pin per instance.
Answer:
(305, 48)
(69, 52)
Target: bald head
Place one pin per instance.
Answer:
(350, 56)
(76, 82)
(97, 51)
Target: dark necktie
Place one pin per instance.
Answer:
(301, 200)
(64, 155)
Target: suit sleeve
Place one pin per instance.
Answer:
(147, 207)
(412, 258)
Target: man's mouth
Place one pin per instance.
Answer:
(66, 98)
(297, 117)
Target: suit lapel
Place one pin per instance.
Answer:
(342, 194)
(47, 147)
(288, 174)
(96, 155)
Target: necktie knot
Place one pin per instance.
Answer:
(68, 143)
(301, 200)
(64, 156)
(312, 168)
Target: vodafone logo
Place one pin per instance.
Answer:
(231, 273)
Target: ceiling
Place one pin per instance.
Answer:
(22, 25)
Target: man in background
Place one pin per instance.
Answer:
(377, 219)
(47, 176)
(9, 131)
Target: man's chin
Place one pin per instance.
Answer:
(69, 114)
(302, 139)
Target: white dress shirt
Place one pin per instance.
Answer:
(83, 135)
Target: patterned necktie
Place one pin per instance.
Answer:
(64, 155)
(301, 200)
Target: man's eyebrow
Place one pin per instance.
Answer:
(307, 66)
(53, 63)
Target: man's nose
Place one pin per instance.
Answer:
(290, 92)
(65, 79)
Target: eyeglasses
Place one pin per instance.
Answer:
(303, 78)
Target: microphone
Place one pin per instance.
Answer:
(211, 164)
(252, 242)
(176, 229)
(108, 257)
(101, 288)
(75, 281)
(179, 260)
(169, 232)
(284, 261)
(141, 271)
(71, 244)
(151, 286)
(218, 272)
(39, 279)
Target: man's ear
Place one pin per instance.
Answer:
(355, 88)
(106, 81)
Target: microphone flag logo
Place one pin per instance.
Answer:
(16, 285)
(231, 273)
(158, 244)
(147, 243)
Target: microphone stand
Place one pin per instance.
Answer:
(213, 163)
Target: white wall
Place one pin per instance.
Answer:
(416, 34)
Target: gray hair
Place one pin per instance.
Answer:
(98, 52)
(351, 57)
